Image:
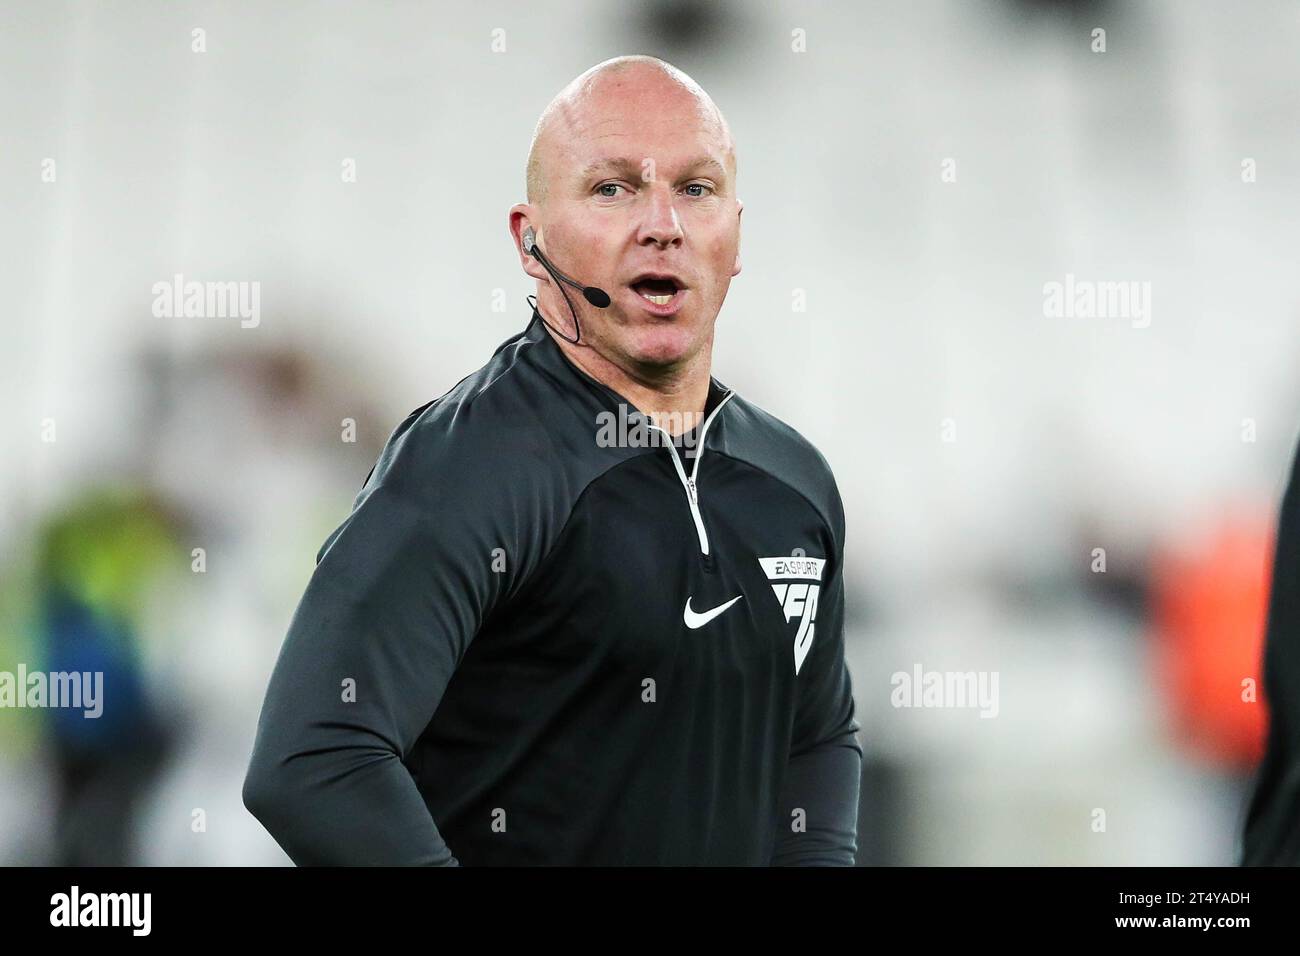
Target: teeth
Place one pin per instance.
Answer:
(658, 299)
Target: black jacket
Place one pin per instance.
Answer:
(1272, 830)
(546, 636)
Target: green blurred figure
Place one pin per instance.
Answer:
(95, 565)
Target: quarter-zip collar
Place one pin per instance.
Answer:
(718, 397)
(611, 400)
(691, 481)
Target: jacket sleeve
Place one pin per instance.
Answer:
(398, 592)
(818, 806)
(1271, 833)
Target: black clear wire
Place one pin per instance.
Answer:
(540, 257)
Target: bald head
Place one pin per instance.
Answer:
(631, 186)
(575, 111)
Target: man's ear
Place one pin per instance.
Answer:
(521, 217)
(735, 268)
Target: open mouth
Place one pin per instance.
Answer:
(658, 291)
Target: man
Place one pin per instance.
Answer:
(541, 638)
(1271, 836)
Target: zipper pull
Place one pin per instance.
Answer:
(690, 486)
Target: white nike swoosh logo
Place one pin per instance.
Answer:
(694, 619)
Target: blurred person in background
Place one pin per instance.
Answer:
(529, 645)
(107, 580)
(96, 560)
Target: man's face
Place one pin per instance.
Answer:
(639, 183)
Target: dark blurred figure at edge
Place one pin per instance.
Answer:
(1272, 830)
(95, 561)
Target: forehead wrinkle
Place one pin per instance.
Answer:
(626, 82)
(628, 163)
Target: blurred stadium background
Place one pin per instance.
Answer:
(984, 450)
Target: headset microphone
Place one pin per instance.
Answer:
(597, 297)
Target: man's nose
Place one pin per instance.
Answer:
(660, 223)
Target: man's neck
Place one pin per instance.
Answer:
(680, 393)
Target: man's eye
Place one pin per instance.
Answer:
(699, 186)
(608, 186)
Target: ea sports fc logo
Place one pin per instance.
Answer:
(792, 577)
